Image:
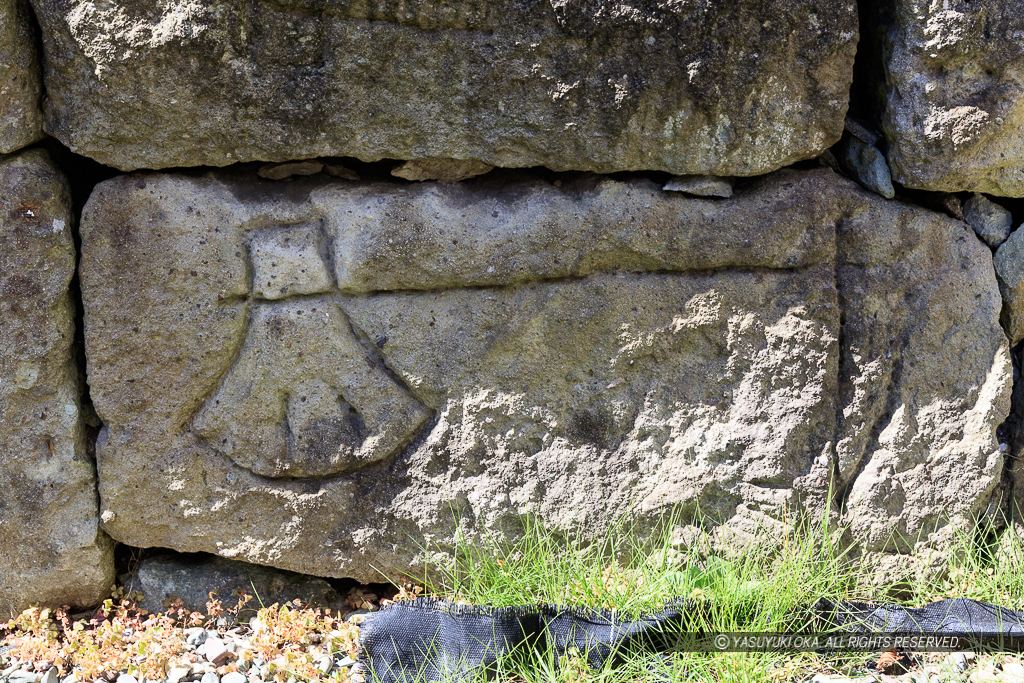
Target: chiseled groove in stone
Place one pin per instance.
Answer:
(838, 488)
(398, 237)
(565, 279)
(407, 242)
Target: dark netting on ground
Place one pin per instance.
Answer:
(432, 640)
(953, 617)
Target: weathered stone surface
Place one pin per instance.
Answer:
(51, 548)
(728, 87)
(1009, 263)
(348, 365)
(990, 221)
(191, 578)
(21, 118)
(925, 377)
(955, 80)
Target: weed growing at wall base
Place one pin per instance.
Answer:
(763, 584)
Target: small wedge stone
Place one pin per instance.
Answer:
(861, 131)
(701, 185)
(287, 170)
(865, 164)
(444, 170)
(1009, 263)
(992, 222)
(21, 119)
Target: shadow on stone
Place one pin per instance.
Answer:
(191, 577)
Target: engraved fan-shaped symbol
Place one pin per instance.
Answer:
(304, 398)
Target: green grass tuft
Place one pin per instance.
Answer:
(764, 583)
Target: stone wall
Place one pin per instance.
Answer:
(360, 275)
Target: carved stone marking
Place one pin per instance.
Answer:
(316, 402)
(287, 261)
(583, 351)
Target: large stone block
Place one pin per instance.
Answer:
(953, 93)
(21, 118)
(51, 548)
(725, 87)
(925, 377)
(321, 375)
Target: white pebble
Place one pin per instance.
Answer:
(177, 673)
(212, 648)
(22, 676)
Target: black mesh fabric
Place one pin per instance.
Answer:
(430, 640)
(953, 617)
(600, 634)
